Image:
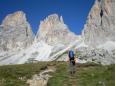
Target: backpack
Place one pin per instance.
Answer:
(71, 54)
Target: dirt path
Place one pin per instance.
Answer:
(41, 79)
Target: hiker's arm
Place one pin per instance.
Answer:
(67, 59)
(76, 60)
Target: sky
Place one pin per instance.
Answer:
(74, 12)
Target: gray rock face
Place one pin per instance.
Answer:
(15, 32)
(100, 56)
(99, 26)
(53, 31)
(99, 33)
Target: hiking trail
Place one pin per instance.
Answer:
(42, 78)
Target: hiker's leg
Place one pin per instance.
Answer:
(74, 70)
(72, 67)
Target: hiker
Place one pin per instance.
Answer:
(71, 60)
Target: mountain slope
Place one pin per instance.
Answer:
(86, 74)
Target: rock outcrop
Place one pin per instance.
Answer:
(53, 31)
(100, 56)
(42, 78)
(15, 32)
(100, 25)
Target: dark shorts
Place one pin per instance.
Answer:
(72, 62)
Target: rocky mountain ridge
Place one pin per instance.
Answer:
(54, 38)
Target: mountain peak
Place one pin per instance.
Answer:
(52, 30)
(16, 32)
(54, 18)
(100, 26)
(14, 19)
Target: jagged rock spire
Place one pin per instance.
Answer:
(99, 27)
(15, 32)
(52, 30)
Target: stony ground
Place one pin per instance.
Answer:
(41, 79)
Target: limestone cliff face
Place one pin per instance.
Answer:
(52, 30)
(100, 25)
(15, 32)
